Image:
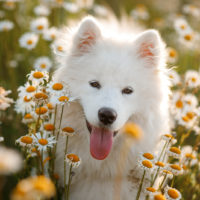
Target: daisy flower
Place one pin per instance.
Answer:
(174, 152)
(28, 118)
(41, 111)
(181, 26)
(43, 142)
(100, 10)
(25, 141)
(73, 160)
(140, 12)
(172, 55)
(175, 169)
(174, 77)
(61, 100)
(148, 156)
(166, 173)
(189, 156)
(146, 165)
(57, 89)
(157, 196)
(28, 40)
(48, 127)
(149, 191)
(50, 34)
(38, 77)
(39, 25)
(172, 193)
(68, 131)
(191, 10)
(169, 138)
(191, 100)
(9, 4)
(192, 79)
(40, 98)
(59, 47)
(159, 165)
(10, 161)
(42, 64)
(41, 10)
(27, 91)
(6, 25)
(71, 7)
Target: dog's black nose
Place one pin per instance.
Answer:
(107, 115)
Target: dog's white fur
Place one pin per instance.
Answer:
(136, 61)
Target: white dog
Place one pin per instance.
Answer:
(116, 80)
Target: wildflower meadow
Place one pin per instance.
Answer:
(32, 101)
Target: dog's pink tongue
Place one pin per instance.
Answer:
(100, 143)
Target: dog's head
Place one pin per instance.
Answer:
(113, 80)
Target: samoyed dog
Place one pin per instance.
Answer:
(116, 80)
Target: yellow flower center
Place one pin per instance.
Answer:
(27, 139)
(160, 164)
(133, 130)
(29, 42)
(53, 36)
(171, 76)
(167, 171)
(172, 53)
(175, 150)
(189, 155)
(185, 118)
(73, 157)
(173, 193)
(151, 189)
(28, 116)
(63, 98)
(176, 167)
(182, 26)
(41, 110)
(50, 106)
(40, 95)
(60, 48)
(57, 86)
(169, 136)
(193, 79)
(179, 104)
(148, 156)
(159, 197)
(34, 150)
(26, 99)
(40, 27)
(43, 66)
(38, 75)
(188, 37)
(190, 115)
(30, 88)
(43, 141)
(49, 127)
(68, 129)
(147, 163)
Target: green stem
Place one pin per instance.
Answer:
(140, 187)
(65, 185)
(162, 151)
(173, 181)
(155, 177)
(163, 181)
(69, 182)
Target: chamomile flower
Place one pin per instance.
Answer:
(175, 169)
(146, 164)
(28, 118)
(39, 25)
(9, 4)
(28, 40)
(41, 10)
(42, 111)
(148, 156)
(160, 165)
(6, 25)
(166, 173)
(100, 10)
(190, 100)
(25, 141)
(172, 55)
(169, 138)
(40, 98)
(61, 100)
(140, 12)
(27, 91)
(182, 26)
(10, 161)
(189, 155)
(38, 77)
(174, 77)
(50, 34)
(191, 10)
(192, 79)
(71, 7)
(42, 64)
(150, 191)
(43, 142)
(48, 127)
(59, 47)
(157, 196)
(73, 160)
(172, 193)
(174, 152)
(69, 131)
(57, 88)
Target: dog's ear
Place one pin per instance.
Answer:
(149, 47)
(87, 35)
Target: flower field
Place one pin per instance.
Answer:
(32, 101)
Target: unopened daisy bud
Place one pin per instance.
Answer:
(174, 151)
(68, 131)
(73, 160)
(172, 193)
(132, 130)
(175, 169)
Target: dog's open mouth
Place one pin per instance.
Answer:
(101, 140)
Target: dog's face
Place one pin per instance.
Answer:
(112, 80)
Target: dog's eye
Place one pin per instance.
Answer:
(95, 84)
(127, 90)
